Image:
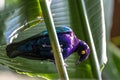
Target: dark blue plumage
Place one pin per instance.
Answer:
(39, 47)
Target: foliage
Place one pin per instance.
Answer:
(86, 18)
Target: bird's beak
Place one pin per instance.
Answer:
(78, 61)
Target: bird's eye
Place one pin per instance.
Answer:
(83, 52)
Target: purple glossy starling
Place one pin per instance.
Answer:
(38, 47)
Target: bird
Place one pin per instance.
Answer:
(39, 47)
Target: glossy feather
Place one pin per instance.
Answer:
(39, 47)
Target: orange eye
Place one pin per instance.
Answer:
(83, 52)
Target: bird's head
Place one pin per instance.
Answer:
(83, 51)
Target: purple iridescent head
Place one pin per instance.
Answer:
(83, 51)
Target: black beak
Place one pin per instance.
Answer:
(78, 61)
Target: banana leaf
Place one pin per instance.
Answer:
(85, 17)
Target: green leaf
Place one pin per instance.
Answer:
(79, 15)
(112, 69)
(59, 61)
(44, 69)
(26, 65)
(21, 17)
(90, 24)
